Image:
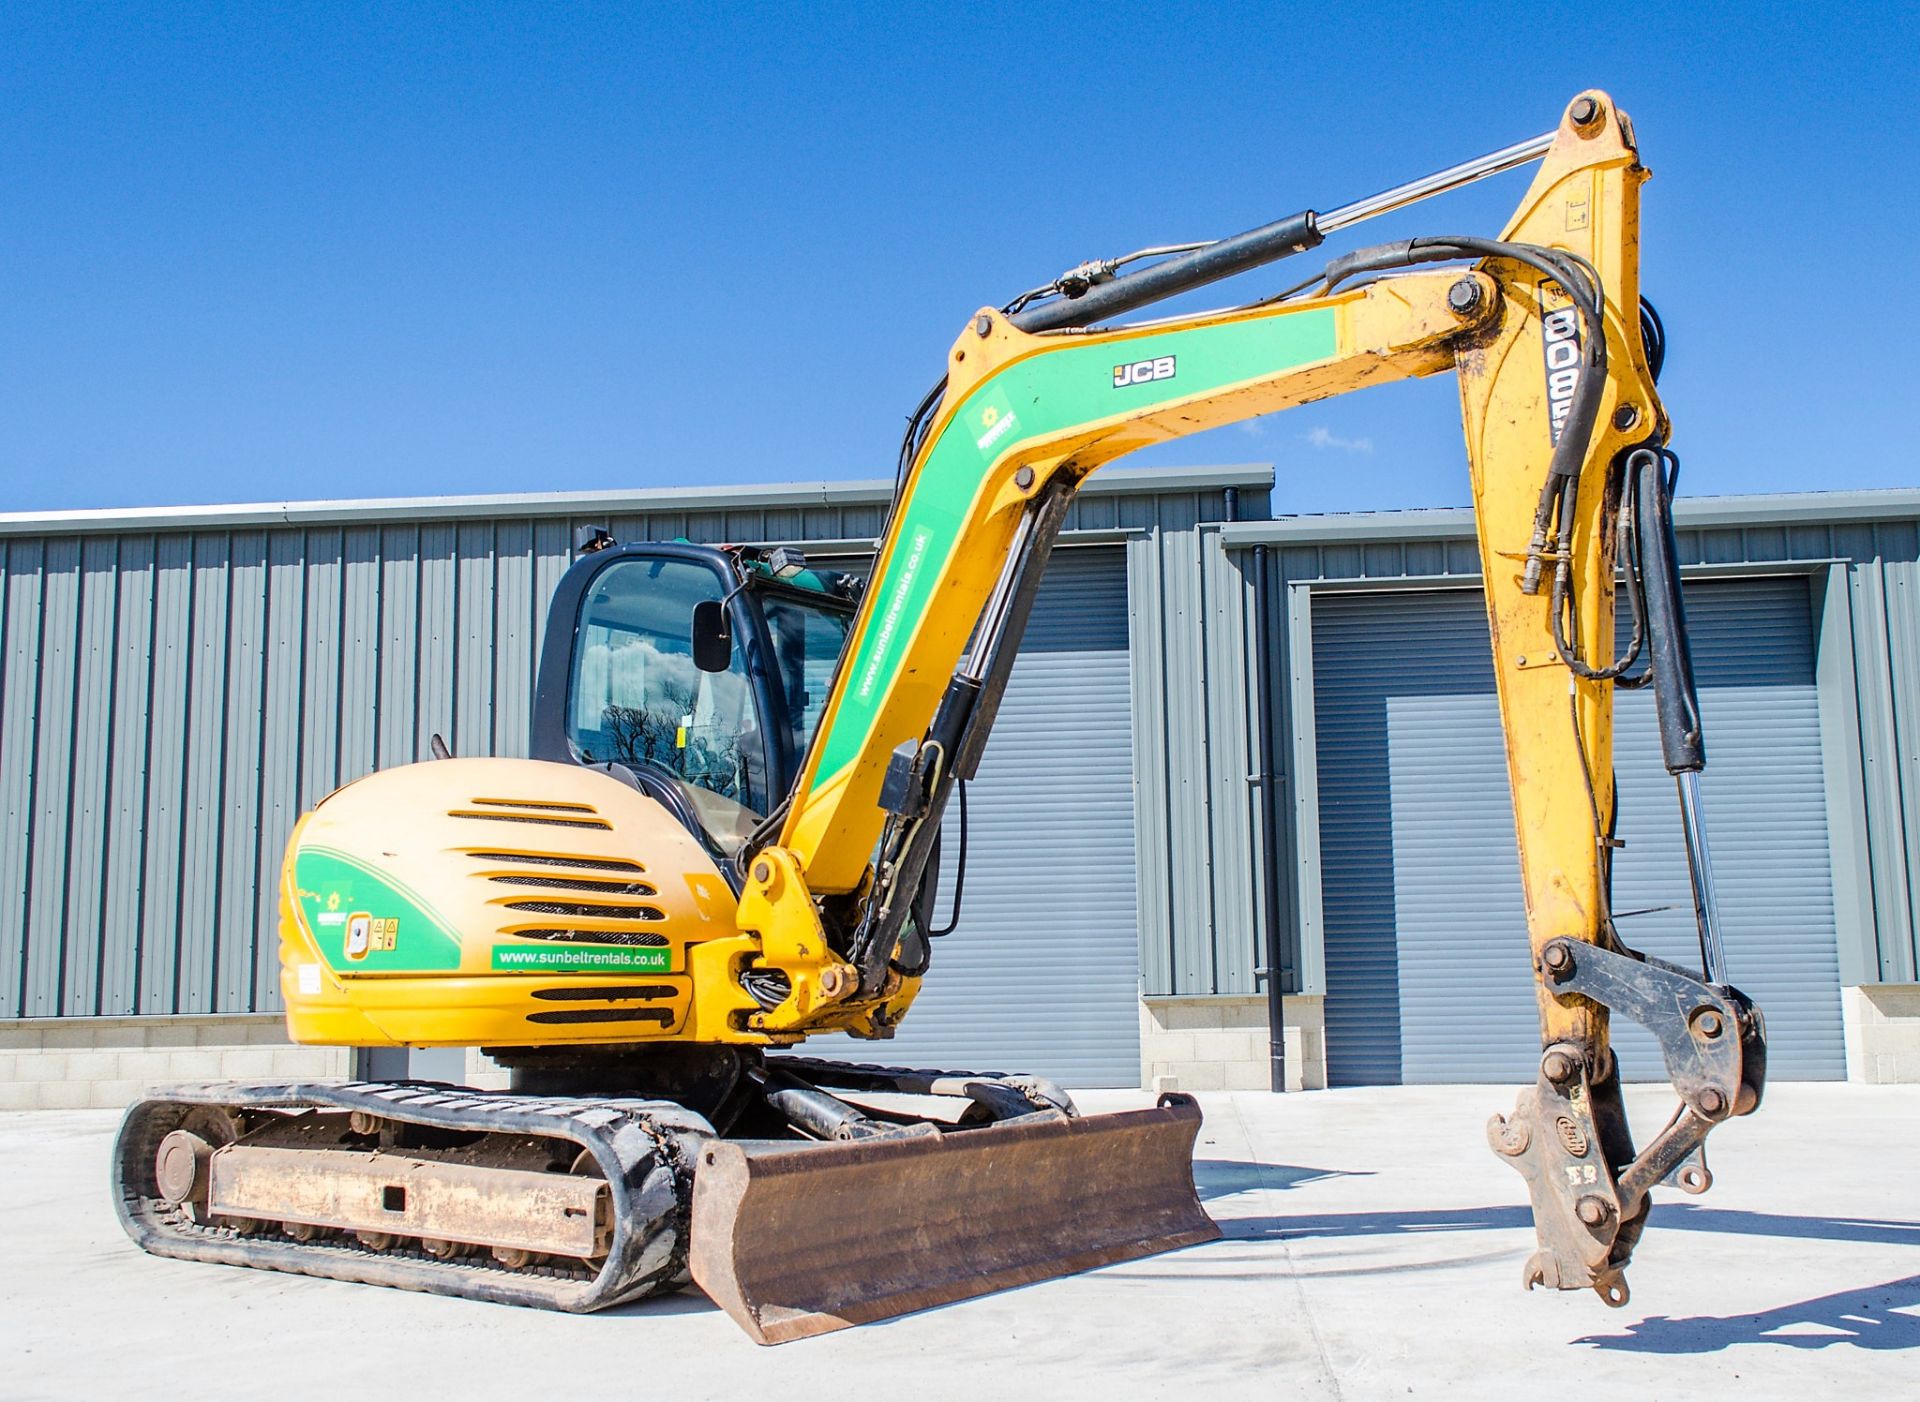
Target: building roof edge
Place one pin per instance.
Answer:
(1690, 513)
(1137, 481)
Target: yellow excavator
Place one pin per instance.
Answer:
(726, 841)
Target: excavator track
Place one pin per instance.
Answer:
(644, 1149)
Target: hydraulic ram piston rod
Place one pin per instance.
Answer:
(1452, 178)
(1269, 243)
(1706, 906)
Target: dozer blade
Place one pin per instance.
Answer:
(799, 1239)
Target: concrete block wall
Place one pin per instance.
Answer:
(484, 1073)
(1221, 1043)
(78, 1063)
(1882, 1027)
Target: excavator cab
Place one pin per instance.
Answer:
(700, 674)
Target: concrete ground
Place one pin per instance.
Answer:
(1373, 1250)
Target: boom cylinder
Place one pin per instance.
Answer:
(1238, 253)
(1224, 258)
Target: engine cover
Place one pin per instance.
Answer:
(504, 902)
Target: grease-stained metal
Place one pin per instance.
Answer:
(795, 1240)
(394, 1193)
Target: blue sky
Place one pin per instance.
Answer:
(257, 252)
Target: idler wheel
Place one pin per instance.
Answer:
(180, 1168)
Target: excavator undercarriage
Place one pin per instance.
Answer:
(582, 1202)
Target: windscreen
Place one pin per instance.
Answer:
(637, 697)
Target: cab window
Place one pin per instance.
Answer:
(638, 699)
(807, 640)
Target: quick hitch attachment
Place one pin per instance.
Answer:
(1568, 1135)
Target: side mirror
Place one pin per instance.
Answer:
(712, 643)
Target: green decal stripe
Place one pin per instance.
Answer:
(333, 887)
(1034, 398)
(582, 959)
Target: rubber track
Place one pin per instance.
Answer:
(645, 1148)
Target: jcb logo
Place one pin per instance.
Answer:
(1141, 372)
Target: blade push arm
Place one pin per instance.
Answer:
(1559, 411)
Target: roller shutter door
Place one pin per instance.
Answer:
(1427, 976)
(1043, 973)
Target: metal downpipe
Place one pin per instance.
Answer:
(1265, 780)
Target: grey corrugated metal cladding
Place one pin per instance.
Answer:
(177, 686)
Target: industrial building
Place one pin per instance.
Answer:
(1224, 726)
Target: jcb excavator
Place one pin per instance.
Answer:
(725, 843)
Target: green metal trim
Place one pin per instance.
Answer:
(337, 891)
(1880, 749)
(1837, 694)
(1029, 400)
(1152, 809)
(1309, 919)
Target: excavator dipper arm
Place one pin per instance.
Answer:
(1565, 439)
